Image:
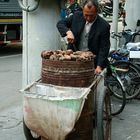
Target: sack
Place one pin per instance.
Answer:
(52, 111)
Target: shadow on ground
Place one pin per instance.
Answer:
(10, 50)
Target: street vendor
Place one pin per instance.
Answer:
(87, 31)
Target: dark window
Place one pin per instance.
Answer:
(4, 0)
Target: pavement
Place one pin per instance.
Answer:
(10, 99)
(126, 126)
(11, 123)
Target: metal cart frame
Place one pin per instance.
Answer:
(102, 112)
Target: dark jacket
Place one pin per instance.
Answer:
(99, 35)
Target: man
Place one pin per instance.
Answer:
(87, 31)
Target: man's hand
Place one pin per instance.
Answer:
(70, 37)
(98, 70)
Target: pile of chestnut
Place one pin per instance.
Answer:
(68, 55)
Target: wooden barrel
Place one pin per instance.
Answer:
(73, 74)
(67, 73)
(83, 129)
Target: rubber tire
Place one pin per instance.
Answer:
(28, 134)
(121, 101)
(102, 98)
(136, 70)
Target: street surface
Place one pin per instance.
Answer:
(10, 98)
(126, 126)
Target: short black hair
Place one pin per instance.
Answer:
(94, 2)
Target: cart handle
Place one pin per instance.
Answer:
(97, 78)
(30, 85)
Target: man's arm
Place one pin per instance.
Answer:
(104, 48)
(64, 26)
(64, 29)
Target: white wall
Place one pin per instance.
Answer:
(39, 33)
(132, 13)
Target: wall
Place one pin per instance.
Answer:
(39, 33)
(132, 13)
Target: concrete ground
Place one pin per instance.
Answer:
(11, 123)
(126, 126)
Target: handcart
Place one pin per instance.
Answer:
(51, 112)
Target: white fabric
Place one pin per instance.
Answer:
(51, 111)
(88, 27)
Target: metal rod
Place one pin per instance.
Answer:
(115, 22)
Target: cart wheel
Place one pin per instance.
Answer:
(28, 133)
(114, 85)
(103, 115)
(126, 77)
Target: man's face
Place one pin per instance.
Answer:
(90, 13)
